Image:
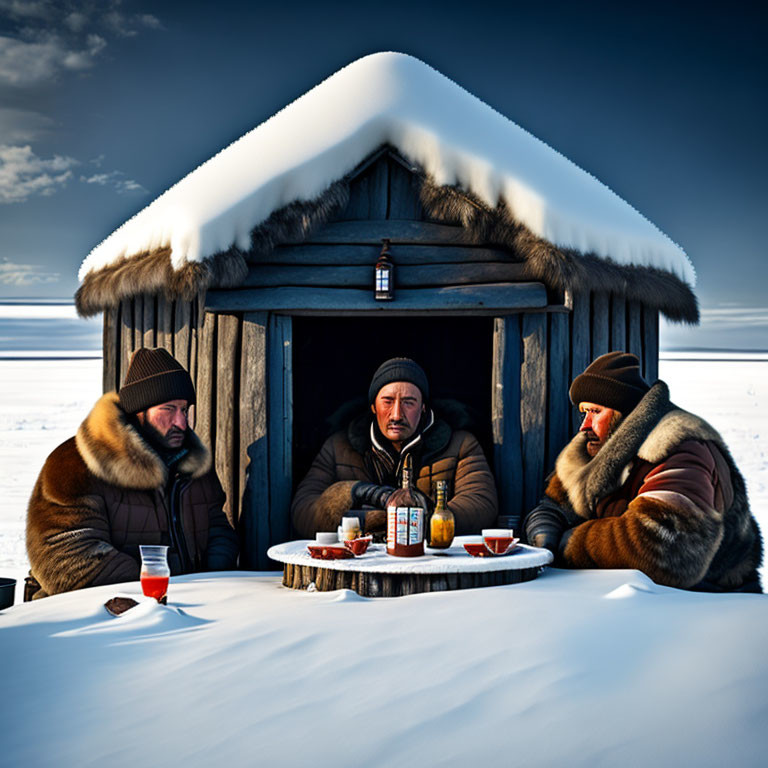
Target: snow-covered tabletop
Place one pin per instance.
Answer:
(453, 560)
(576, 668)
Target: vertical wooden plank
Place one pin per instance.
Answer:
(378, 189)
(205, 425)
(559, 405)
(533, 405)
(149, 334)
(138, 322)
(634, 329)
(650, 344)
(280, 425)
(618, 323)
(358, 204)
(580, 344)
(600, 324)
(505, 410)
(253, 465)
(164, 324)
(197, 312)
(227, 412)
(182, 322)
(404, 202)
(111, 349)
(126, 335)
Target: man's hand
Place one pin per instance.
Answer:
(371, 495)
(545, 525)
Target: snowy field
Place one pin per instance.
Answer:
(43, 401)
(580, 668)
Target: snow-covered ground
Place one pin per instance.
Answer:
(580, 668)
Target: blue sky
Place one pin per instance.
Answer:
(104, 105)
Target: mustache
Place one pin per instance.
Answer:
(397, 423)
(174, 431)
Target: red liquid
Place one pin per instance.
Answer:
(154, 586)
(497, 544)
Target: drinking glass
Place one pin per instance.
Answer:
(155, 572)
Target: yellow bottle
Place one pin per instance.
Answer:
(442, 525)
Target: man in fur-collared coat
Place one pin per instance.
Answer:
(360, 467)
(134, 474)
(647, 485)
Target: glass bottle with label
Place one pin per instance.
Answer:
(405, 518)
(442, 525)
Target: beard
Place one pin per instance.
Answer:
(164, 442)
(593, 444)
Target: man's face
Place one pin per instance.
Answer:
(166, 423)
(598, 423)
(398, 408)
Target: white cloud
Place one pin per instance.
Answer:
(19, 126)
(23, 174)
(25, 274)
(734, 316)
(49, 38)
(27, 63)
(26, 9)
(76, 21)
(114, 179)
(149, 21)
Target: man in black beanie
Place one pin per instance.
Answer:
(649, 486)
(134, 474)
(360, 467)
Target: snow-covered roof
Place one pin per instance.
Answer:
(395, 99)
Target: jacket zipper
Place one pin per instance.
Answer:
(176, 539)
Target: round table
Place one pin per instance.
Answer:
(377, 574)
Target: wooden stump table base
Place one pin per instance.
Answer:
(397, 584)
(376, 574)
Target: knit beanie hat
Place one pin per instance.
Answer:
(613, 381)
(154, 377)
(398, 369)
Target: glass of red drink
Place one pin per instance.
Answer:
(154, 571)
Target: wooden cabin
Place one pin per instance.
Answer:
(281, 336)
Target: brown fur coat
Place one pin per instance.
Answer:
(663, 496)
(103, 492)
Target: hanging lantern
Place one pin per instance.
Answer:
(384, 285)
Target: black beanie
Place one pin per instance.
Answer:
(154, 377)
(398, 369)
(613, 381)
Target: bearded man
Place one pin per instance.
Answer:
(647, 485)
(360, 467)
(134, 474)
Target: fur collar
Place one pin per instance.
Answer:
(115, 451)
(651, 432)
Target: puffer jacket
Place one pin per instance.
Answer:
(442, 453)
(663, 495)
(105, 491)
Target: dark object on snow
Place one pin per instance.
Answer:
(119, 605)
(7, 592)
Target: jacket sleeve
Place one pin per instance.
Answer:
(474, 502)
(545, 524)
(68, 533)
(221, 553)
(321, 499)
(670, 530)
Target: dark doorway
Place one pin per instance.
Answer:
(335, 358)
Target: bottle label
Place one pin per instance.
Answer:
(415, 525)
(402, 525)
(391, 527)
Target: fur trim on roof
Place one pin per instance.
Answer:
(565, 269)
